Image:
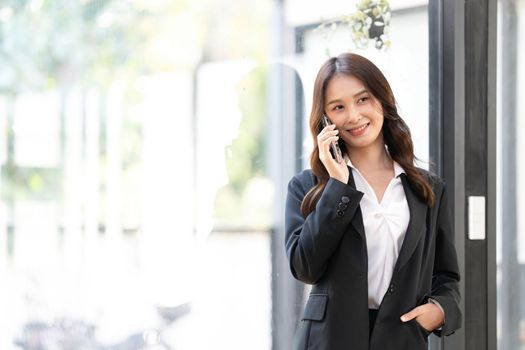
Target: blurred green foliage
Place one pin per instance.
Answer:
(25, 183)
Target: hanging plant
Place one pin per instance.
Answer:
(369, 24)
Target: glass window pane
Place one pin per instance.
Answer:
(131, 133)
(511, 175)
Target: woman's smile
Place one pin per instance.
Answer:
(360, 130)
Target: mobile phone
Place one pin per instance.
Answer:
(334, 146)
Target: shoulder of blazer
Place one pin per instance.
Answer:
(306, 180)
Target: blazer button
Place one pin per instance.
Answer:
(345, 199)
(391, 289)
(342, 206)
(340, 213)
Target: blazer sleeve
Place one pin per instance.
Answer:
(445, 279)
(311, 241)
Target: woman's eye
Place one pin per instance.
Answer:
(362, 99)
(336, 108)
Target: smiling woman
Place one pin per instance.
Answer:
(373, 234)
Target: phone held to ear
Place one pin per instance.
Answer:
(334, 146)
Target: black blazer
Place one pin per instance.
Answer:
(328, 250)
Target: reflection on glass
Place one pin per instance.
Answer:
(104, 155)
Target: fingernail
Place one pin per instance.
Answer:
(403, 318)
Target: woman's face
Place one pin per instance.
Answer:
(356, 113)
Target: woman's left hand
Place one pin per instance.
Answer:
(429, 316)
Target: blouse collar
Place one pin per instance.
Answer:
(398, 169)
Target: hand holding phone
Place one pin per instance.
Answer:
(334, 146)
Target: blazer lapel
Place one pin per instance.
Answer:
(357, 220)
(418, 213)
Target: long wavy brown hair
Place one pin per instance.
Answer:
(396, 133)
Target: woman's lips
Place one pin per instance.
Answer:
(360, 130)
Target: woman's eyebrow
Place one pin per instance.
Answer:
(338, 100)
(360, 92)
(334, 101)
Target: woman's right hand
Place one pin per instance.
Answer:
(338, 171)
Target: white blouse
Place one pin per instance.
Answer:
(385, 226)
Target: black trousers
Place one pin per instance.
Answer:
(372, 315)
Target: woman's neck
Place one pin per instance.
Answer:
(372, 158)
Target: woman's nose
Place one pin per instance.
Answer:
(353, 115)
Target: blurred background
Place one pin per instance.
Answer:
(145, 148)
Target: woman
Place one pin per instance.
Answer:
(372, 233)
